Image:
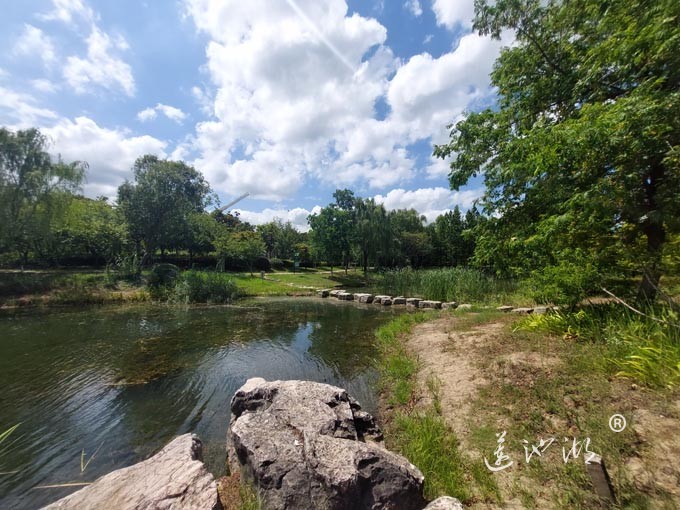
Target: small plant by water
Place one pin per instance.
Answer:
(204, 287)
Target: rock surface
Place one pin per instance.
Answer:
(413, 301)
(524, 310)
(430, 304)
(309, 445)
(399, 300)
(445, 503)
(465, 306)
(450, 305)
(173, 479)
(363, 298)
(505, 308)
(323, 293)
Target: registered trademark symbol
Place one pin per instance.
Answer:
(617, 422)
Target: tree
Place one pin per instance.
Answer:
(157, 207)
(371, 229)
(241, 246)
(333, 228)
(581, 156)
(33, 189)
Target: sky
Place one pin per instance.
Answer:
(286, 100)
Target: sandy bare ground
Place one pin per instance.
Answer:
(460, 360)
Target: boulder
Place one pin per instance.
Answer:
(335, 292)
(522, 310)
(173, 479)
(399, 300)
(450, 305)
(378, 299)
(430, 304)
(323, 293)
(386, 301)
(363, 298)
(345, 296)
(309, 445)
(445, 503)
(413, 301)
(505, 309)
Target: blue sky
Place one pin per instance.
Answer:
(284, 99)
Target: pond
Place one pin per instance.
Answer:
(122, 381)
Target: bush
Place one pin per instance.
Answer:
(262, 264)
(567, 283)
(162, 280)
(204, 287)
(277, 264)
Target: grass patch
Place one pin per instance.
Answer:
(423, 437)
(644, 348)
(451, 284)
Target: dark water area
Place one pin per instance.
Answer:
(123, 381)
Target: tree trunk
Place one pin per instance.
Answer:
(365, 263)
(656, 237)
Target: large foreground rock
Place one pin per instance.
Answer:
(173, 479)
(309, 445)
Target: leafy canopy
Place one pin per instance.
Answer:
(581, 155)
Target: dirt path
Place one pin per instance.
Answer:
(460, 358)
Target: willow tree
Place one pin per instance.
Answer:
(580, 156)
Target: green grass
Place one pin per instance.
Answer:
(424, 438)
(452, 284)
(644, 348)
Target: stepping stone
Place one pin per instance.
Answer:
(323, 293)
(413, 301)
(465, 306)
(363, 298)
(523, 310)
(400, 300)
(430, 304)
(450, 305)
(386, 301)
(505, 308)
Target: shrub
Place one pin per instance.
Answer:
(204, 287)
(161, 280)
(277, 264)
(566, 283)
(262, 264)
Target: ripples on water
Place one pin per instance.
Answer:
(125, 380)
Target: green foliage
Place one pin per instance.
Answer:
(567, 283)
(452, 284)
(582, 150)
(645, 348)
(279, 238)
(240, 247)
(34, 191)
(397, 367)
(160, 206)
(162, 279)
(429, 444)
(204, 287)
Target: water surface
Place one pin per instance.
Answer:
(123, 381)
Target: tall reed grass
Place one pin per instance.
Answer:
(204, 287)
(450, 284)
(643, 347)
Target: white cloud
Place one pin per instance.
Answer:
(293, 95)
(292, 86)
(43, 85)
(170, 112)
(430, 202)
(19, 110)
(101, 67)
(68, 11)
(427, 39)
(110, 153)
(34, 43)
(414, 7)
(450, 13)
(297, 216)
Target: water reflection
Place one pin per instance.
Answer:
(125, 380)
